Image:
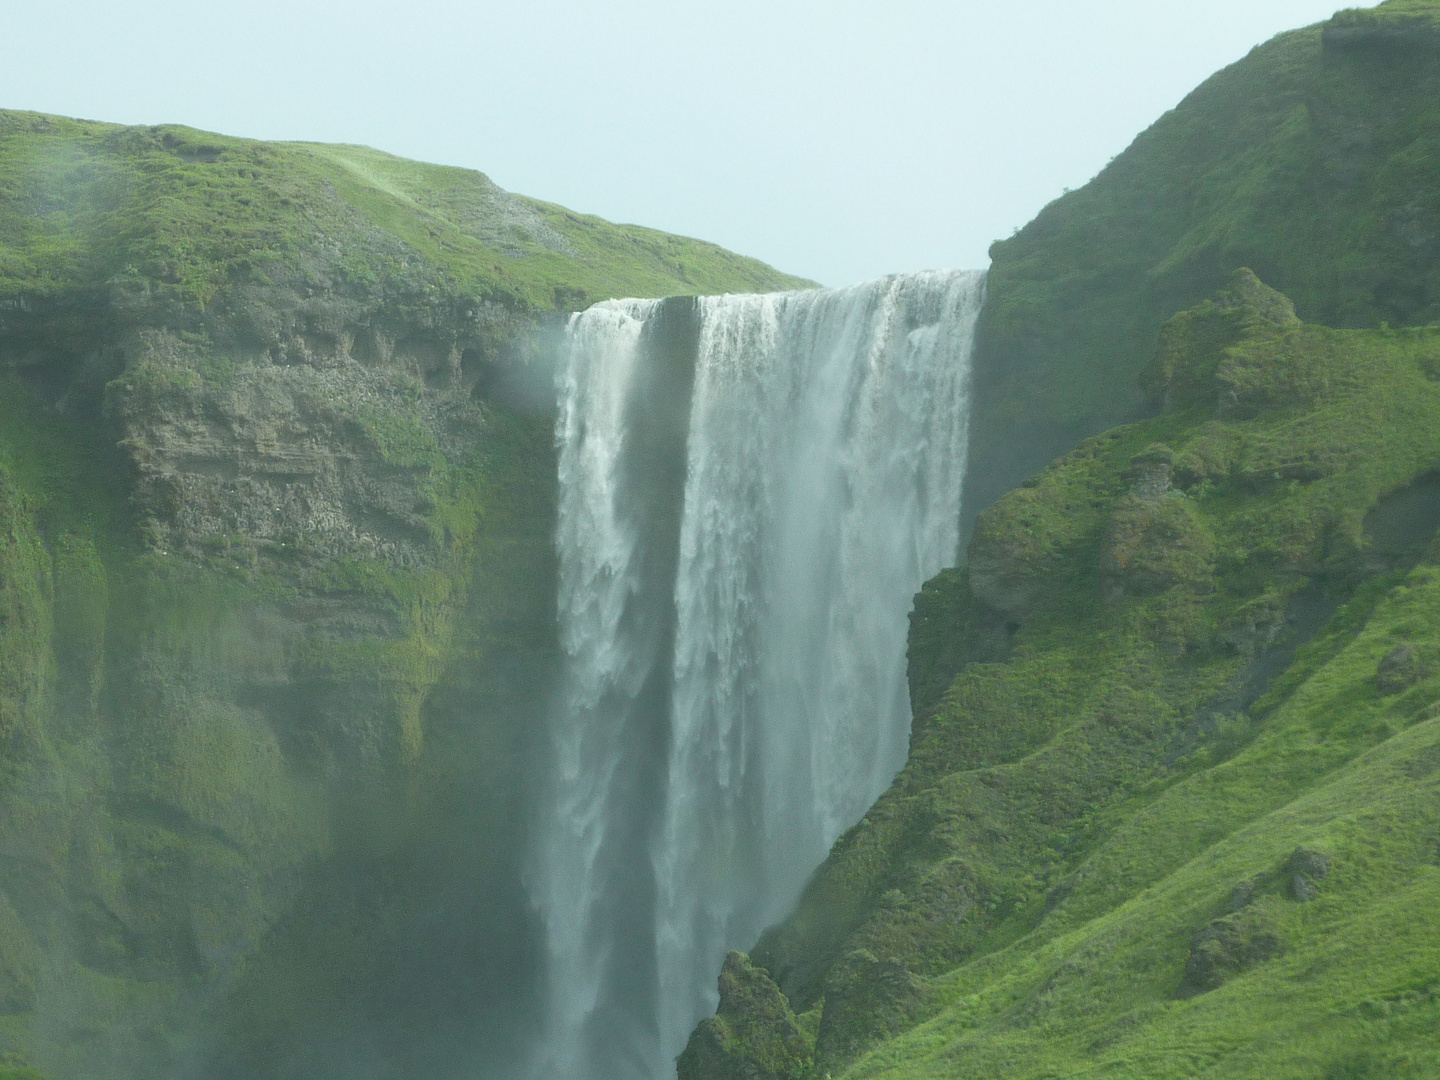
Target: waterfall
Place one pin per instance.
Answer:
(752, 488)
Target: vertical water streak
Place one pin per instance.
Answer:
(736, 576)
(621, 428)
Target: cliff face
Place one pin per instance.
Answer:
(276, 594)
(1310, 161)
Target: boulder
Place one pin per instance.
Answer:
(1153, 545)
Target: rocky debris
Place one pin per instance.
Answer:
(866, 1000)
(1306, 869)
(752, 1036)
(1226, 948)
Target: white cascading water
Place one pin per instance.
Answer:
(752, 489)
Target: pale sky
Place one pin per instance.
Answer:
(835, 139)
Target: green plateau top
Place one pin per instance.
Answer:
(180, 214)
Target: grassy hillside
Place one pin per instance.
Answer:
(1171, 807)
(1312, 160)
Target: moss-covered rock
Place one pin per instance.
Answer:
(1226, 948)
(1186, 372)
(1156, 544)
(752, 1036)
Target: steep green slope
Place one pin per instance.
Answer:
(1312, 160)
(277, 596)
(1171, 807)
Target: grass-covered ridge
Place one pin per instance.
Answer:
(1311, 160)
(1171, 807)
(170, 212)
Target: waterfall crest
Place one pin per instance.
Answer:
(752, 488)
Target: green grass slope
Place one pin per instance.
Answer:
(1311, 160)
(173, 214)
(1172, 807)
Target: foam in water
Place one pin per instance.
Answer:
(752, 488)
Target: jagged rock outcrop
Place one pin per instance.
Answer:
(752, 1036)
(293, 461)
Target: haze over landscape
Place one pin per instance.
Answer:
(448, 634)
(835, 141)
